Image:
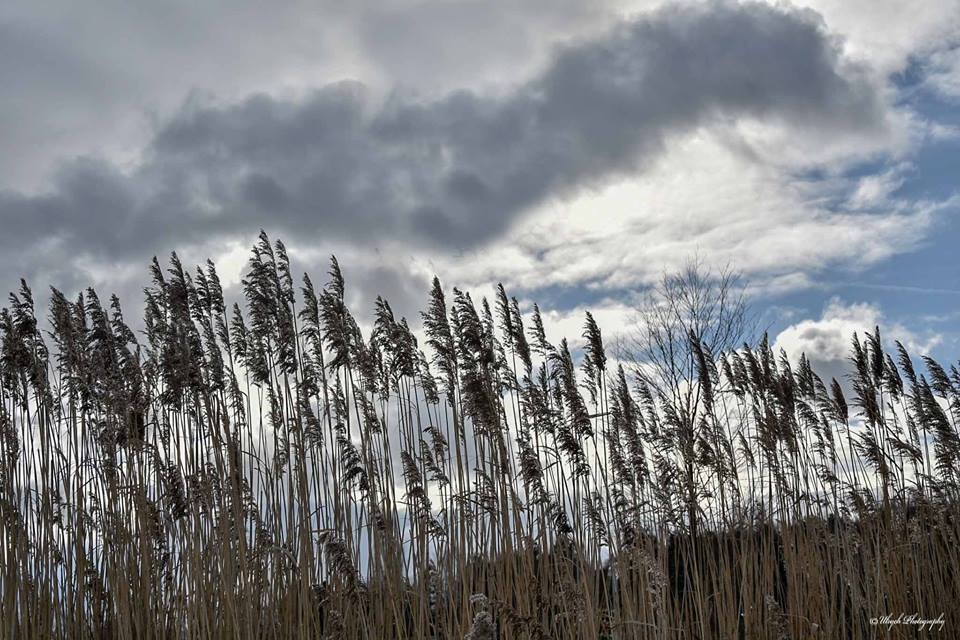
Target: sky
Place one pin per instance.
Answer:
(574, 151)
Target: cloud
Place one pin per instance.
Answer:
(459, 170)
(616, 320)
(435, 45)
(877, 189)
(93, 78)
(704, 197)
(943, 72)
(888, 35)
(826, 342)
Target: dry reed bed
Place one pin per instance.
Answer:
(272, 472)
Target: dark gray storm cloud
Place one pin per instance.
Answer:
(454, 171)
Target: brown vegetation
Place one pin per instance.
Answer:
(272, 472)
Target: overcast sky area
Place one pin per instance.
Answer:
(572, 150)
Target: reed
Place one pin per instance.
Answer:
(271, 471)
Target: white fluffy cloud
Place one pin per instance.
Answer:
(826, 342)
(615, 318)
(705, 197)
(886, 34)
(944, 72)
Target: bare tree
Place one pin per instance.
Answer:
(689, 316)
